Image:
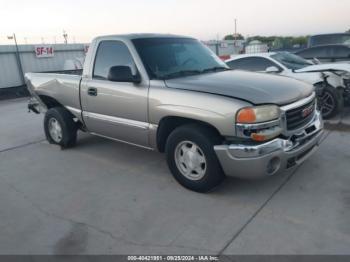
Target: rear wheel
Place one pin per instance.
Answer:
(60, 128)
(330, 102)
(191, 157)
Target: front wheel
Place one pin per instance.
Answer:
(330, 102)
(191, 157)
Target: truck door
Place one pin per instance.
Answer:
(116, 110)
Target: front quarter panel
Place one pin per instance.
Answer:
(218, 111)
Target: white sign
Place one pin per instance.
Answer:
(44, 51)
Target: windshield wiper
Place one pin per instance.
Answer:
(215, 69)
(181, 73)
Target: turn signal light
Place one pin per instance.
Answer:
(267, 134)
(246, 115)
(258, 137)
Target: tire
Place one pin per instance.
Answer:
(63, 128)
(200, 141)
(330, 102)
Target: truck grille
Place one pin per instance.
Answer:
(300, 116)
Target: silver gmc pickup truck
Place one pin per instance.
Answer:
(172, 94)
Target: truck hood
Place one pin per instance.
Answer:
(256, 88)
(325, 67)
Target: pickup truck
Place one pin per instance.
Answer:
(172, 94)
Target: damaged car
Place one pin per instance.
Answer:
(331, 81)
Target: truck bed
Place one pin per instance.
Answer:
(61, 85)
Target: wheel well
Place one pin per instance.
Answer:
(170, 123)
(49, 101)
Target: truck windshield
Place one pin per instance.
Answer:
(166, 58)
(291, 61)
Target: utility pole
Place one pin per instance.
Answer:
(18, 58)
(65, 36)
(235, 31)
(217, 45)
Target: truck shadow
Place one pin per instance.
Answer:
(153, 164)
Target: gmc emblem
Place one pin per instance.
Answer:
(307, 111)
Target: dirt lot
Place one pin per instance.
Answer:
(103, 197)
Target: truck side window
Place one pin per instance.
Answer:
(255, 64)
(111, 53)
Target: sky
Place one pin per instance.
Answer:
(44, 21)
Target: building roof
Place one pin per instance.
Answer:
(255, 42)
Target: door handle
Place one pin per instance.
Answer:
(92, 91)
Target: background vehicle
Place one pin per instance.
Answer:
(172, 94)
(327, 53)
(329, 79)
(329, 39)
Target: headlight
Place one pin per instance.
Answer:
(258, 114)
(259, 123)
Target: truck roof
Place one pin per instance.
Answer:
(139, 35)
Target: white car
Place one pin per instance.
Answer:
(74, 64)
(332, 81)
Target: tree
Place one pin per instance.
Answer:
(232, 37)
(348, 31)
(276, 42)
(301, 40)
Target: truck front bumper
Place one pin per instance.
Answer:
(267, 159)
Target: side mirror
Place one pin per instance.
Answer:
(272, 69)
(122, 74)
